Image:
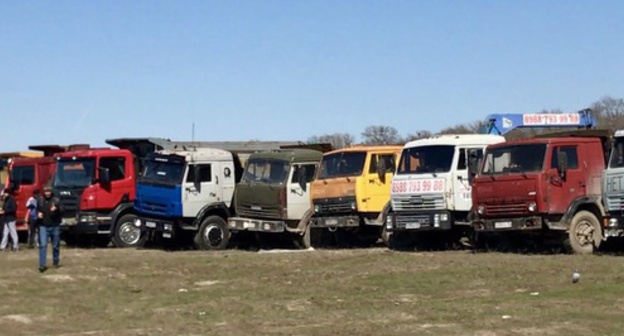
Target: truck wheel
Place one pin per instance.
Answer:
(584, 235)
(127, 234)
(401, 241)
(385, 236)
(213, 234)
(303, 241)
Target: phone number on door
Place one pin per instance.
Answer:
(418, 186)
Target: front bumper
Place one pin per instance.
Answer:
(423, 221)
(87, 225)
(257, 225)
(613, 225)
(508, 224)
(335, 221)
(163, 227)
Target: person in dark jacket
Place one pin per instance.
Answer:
(50, 216)
(9, 208)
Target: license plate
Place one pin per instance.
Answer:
(332, 221)
(412, 226)
(502, 225)
(248, 225)
(166, 235)
(150, 224)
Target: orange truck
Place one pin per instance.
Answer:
(351, 195)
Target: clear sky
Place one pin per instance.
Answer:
(84, 71)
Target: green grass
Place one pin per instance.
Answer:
(349, 292)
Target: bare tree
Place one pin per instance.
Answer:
(381, 135)
(338, 140)
(417, 135)
(609, 113)
(469, 128)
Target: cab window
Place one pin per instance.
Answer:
(116, 167)
(205, 173)
(310, 171)
(571, 154)
(389, 160)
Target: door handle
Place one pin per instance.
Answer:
(213, 194)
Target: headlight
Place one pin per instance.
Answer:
(444, 217)
(353, 206)
(317, 208)
(532, 207)
(480, 209)
(86, 218)
(137, 222)
(168, 227)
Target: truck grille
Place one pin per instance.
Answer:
(335, 204)
(418, 202)
(403, 220)
(257, 211)
(506, 209)
(615, 202)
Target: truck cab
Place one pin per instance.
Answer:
(28, 172)
(188, 191)
(351, 193)
(97, 188)
(273, 196)
(431, 190)
(543, 186)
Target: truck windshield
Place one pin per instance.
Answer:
(272, 171)
(617, 154)
(514, 159)
(426, 159)
(74, 173)
(162, 171)
(342, 164)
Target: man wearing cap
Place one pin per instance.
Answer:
(9, 208)
(50, 216)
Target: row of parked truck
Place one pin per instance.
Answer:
(565, 186)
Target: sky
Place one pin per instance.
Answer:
(86, 71)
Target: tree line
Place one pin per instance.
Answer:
(608, 112)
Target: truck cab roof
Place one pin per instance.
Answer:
(289, 155)
(199, 154)
(457, 139)
(365, 148)
(91, 152)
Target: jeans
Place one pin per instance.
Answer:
(46, 232)
(9, 228)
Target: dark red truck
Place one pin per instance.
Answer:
(545, 187)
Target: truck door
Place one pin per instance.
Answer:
(562, 190)
(205, 191)
(24, 178)
(298, 198)
(461, 186)
(121, 186)
(378, 189)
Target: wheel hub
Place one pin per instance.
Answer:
(585, 233)
(129, 233)
(213, 235)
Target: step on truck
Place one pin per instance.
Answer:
(97, 188)
(430, 193)
(186, 191)
(547, 188)
(30, 172)
(351, 195)
(273, 198)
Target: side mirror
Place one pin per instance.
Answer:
(196, 177)
(473, 168)
(381, 170)
(104, 175)
(562, 159)
(303, 183)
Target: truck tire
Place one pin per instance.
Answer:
(303, 241)
(401, 241)
(585, 234)
(213, 234)
(127, 234)
(385, 236)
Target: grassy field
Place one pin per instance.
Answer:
(340, 292)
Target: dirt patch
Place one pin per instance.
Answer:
(207, 283)
(58, 277)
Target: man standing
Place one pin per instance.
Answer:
(50, 215)
(32, 219)
(9, 208)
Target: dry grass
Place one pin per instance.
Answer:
(354, 292)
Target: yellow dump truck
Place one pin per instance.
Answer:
(351, 195)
